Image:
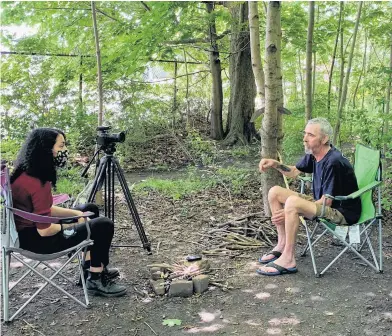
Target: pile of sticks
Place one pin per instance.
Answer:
(248, 232)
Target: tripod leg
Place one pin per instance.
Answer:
(98, 179)
(131, 205)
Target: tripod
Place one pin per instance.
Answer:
(107, 168)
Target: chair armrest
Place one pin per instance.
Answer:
(46, 219)
(355, 194)
(306, 178)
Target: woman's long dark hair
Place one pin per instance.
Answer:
(36, 156)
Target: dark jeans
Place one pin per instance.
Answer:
(102, 231)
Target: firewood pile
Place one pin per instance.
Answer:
(248, 232)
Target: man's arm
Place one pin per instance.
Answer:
(289, 171)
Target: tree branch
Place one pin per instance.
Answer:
(38, 54)
(145, 6)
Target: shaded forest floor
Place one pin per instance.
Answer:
(349, 300)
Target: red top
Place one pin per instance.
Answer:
(28, 194)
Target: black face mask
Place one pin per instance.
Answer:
(61, 159)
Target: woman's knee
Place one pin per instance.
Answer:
(89, 207)
(103, 225)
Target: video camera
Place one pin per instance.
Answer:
(105, 139)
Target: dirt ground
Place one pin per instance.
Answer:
(349, 300)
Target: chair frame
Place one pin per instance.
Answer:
(10, 248)
(366, 228)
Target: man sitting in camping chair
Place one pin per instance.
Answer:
(332, 175)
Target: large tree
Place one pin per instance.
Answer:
(242, 84)
(270, 125)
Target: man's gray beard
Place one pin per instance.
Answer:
(308, 151)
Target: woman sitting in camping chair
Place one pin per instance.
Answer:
(32, 180)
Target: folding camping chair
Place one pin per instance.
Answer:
(10, 248)
(368, 172)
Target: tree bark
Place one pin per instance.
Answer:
(216, 73)
(81, 85)
(242, 82)
(361, 73)
(99, 69)
(341, 77)
(301, 81)
(333, 60)
(269, 129)
(175, 94)
(187, 89)
(308, 77)
(257, 64)
(345, 85)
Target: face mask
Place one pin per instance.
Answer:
(61, 159)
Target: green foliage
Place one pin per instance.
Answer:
(69, 181)
(9, 149)
(201, 148)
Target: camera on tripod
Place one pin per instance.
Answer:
(104, 138)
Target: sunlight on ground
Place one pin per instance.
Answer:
(371, 294)
(262, 295)
(55, 264)
(292, 290)
(316, 298)
(285, 321)
(206, 317)
(212, 328)
(328, 313)
(390, 294)
(252, 323)
(16, 264)
(271, 286)
(247, 290)
(274, 331)
(387, 316)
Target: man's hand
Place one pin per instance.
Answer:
(278, 217)
(266, 164)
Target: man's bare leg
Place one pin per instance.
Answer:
(277, 197)
(294, 207)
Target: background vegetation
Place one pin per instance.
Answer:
(157, 82)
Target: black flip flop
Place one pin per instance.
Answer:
(276, 255)
(280, 270)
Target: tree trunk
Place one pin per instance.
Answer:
(300, 77)
(308, 77)
(269, 129)
(99, 68)
(81, 85)
(175, 94)
(257, 65)
(341, 77)
(216, 73)
(242, 82)
(361, 73)
(388, 102)
(345, 85)
(333, 59)
(187, 90)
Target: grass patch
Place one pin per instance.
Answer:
(234, 179)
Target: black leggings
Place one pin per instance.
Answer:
(102, 231)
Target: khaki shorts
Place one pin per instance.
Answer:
(331, 214)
